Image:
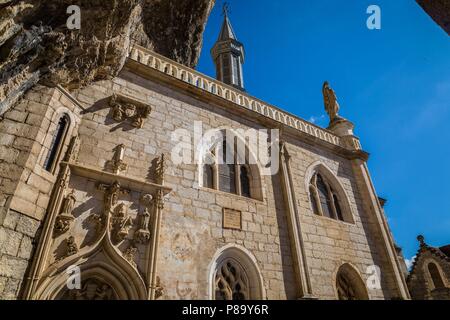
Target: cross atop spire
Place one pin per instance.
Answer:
(227, 31)
(225, 9)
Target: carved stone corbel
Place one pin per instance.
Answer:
(65, 218)
(71, 247)
(130, 255)
(159, 289)
(124, 108)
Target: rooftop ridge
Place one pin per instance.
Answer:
(165, 65)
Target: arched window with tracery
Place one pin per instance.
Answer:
(234, 275)
(231, 281)
(325, 200)
(349, 284)
(57, 143)
(230, 171)
(435, 276)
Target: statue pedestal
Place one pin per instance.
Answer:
(344, 129)
(341, 127)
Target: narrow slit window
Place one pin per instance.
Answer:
(56, 144)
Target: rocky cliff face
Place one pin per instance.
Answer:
(439, 11)
(36, 45)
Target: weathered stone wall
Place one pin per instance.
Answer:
(17, 235)
(26, 132)
(192, 223)
(192, 229)
(329, 243)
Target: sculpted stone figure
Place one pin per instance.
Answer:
(65, 218)
(330, 101)
(72, 247)
(142, 235)
(122, 222)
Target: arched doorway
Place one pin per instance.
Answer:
(90, 289)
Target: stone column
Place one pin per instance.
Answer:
(304, 290)
(158, 204)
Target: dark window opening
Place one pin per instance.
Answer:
(245, 182)
(57, 141)
(324, 197)
(435, 276)
(208, 173)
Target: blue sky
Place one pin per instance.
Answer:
(393, 83)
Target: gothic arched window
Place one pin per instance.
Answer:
(230, 171)
(57, 143)
(325, 201)
(349, 284)
(231, 281)
(435, 276)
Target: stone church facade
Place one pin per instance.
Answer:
(89, 183)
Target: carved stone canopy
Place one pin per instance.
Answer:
(128, 109)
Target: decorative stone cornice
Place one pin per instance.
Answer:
(193, 79)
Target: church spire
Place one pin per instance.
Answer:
(228, 54)
(226, 32)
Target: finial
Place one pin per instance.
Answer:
(421, 239)
(226, 9)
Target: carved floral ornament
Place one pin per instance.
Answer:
(125, 108)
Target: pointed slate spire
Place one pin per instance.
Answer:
(228, 55)
(227, 31)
